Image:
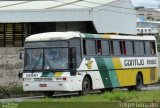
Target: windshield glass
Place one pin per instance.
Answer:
(47, 59)
(34, 59)
(56, 58)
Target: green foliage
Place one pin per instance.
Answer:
(8, 90)
(115, 96)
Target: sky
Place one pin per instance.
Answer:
(147, 3)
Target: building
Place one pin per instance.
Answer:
(148, 21)
(148, 27)
(148, 14)
(19, 19)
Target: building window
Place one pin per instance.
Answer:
(13, 35)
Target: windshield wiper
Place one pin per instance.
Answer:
(34, 67)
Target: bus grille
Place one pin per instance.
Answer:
(42, 79)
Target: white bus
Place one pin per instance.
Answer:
(71, 61)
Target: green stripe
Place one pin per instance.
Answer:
(47, 74)
(104, 64)
(92, 36)
(104, 74)
(112, 73)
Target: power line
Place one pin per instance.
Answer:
(15, 4)
(65, 3)
(118, 6)
(73, 3)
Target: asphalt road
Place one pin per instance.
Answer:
(64, 95)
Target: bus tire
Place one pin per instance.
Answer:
(109, 89)
(131, 88)
(103, 90)
(86, 86)
(48, 94)
(139, 83)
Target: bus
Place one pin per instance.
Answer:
(79, 62)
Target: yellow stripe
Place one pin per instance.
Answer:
(117, 63)
(106, 36)
(58, 74)
(127, 77)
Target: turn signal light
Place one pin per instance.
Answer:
(64, 78)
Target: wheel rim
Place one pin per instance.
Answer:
(139, 83)
(86, 86)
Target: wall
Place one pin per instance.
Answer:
(10, 65)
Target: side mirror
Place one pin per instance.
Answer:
(20, 75)
(20, 56)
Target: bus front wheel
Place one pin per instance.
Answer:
(86, 86)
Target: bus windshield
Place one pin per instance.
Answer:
(46, 59)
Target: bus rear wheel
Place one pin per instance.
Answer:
(139, 83)
(86, 86)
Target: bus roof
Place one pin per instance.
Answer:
(49, 36)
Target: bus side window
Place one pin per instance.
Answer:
(144, 47)
(111, 51)
(147, 45)
(129, 48)
(137, 48)
(84, 47)
(105, 47)
(152, 48)
(122, 45)
(90, 47)
(141, 48)
(133, 49)
(99, 47)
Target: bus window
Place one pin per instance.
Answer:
(122, 46)
(152, 48)
(111, 51)
(90, 47)
(136, 47)
(99, 47)
(105, 47)
(147, 47)
(133, 49)
(116, 48)
(144, 47)
(129, 47)
(141, 48)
